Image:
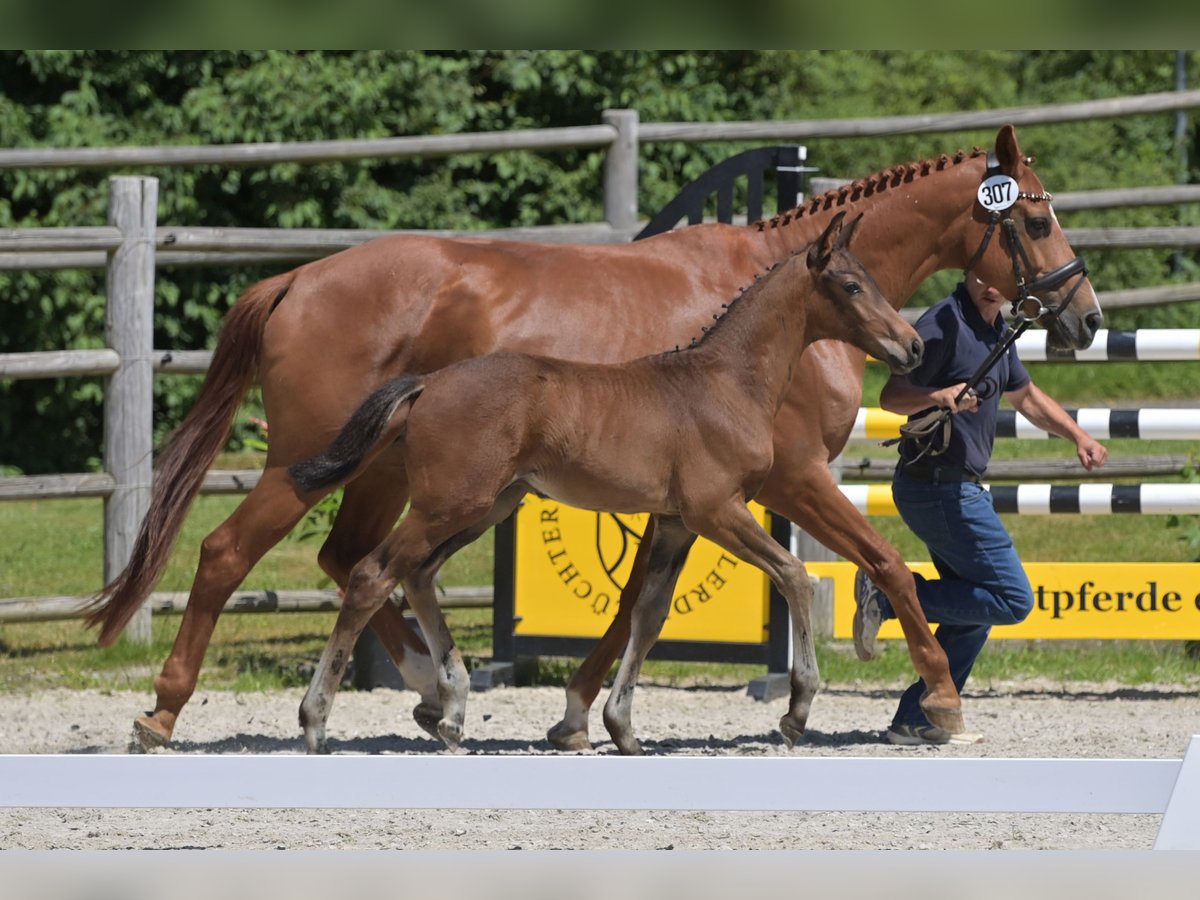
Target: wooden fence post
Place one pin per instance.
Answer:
(621, 170)
(128, 397)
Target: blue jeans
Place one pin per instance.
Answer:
(982, 581)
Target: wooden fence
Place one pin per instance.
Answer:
(133, 245)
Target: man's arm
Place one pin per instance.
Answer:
(1046, 413)
(904, 398)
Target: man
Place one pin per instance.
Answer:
(941, 499)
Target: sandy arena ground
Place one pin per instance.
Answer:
(1019, 720)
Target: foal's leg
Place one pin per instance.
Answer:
(733, 527)
(571, 733)
(371, 504)
(452, 683)
(667, 554)
(371, 583)
(260, 521)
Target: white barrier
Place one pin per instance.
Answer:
(861, 784)
(1053, 499)
(1144, 344)
(1141, 345)
(1159, 424)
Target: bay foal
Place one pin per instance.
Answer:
(684, 435)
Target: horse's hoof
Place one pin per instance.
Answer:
(148, 735)
(428, 717)
(451, 734)
(569, 740)
(945, 717)
(792, 730)
(632, 747)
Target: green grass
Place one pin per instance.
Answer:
(55, 547)
(264, 652)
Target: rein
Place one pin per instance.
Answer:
(933, 428)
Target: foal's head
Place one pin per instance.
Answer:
(849, 306)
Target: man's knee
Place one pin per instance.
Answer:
(1019, 602)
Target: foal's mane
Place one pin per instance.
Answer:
(865, 187)
(736, 303)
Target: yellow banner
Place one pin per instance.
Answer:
(570, 567)
(1077, 601)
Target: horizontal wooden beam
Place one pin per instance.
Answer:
(59, 608)
(270, 153)
(1157, 238)
(1166, 101)
(873, 468)
(68, 363)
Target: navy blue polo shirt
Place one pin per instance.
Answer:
(957, 341)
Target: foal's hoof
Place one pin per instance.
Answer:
(451, 734)
(945, 717)
(315, 743)
(568, 739)
(630, 747)
(792, 730)
(428, 717)
(148, 735)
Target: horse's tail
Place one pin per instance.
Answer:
(374, 425)
(189, 453)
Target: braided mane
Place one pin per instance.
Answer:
(865, 187)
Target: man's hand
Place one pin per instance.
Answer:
(1092, 454)
(945, 398)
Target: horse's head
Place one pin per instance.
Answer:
(849, 306)
(1020, 249)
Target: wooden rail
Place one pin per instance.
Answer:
(604, 135)
(132, 245)
(58, 608)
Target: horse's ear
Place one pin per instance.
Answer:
(847, 234)
(1008, 151)
(820, 249)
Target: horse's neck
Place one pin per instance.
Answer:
(763, 333)
(909, 231)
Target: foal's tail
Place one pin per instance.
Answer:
(374, 425)
(187, 456)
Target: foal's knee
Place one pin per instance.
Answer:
(368, 581)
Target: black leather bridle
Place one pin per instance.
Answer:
(931, 431)
(1027, 307)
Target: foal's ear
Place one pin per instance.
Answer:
(847, 234)
(820, 249)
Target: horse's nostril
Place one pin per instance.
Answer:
(918, 348)
(1093, 321)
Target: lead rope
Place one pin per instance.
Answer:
(936, 423)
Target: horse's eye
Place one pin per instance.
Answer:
(1038, 227)
(852, 287)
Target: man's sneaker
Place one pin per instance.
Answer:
(927, 735)
(868, 616)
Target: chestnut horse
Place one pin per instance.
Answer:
(686, 436)
(321, 337)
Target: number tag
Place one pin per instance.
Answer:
(998, 193)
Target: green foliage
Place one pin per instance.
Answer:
(1189, 526)
(108, 98)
